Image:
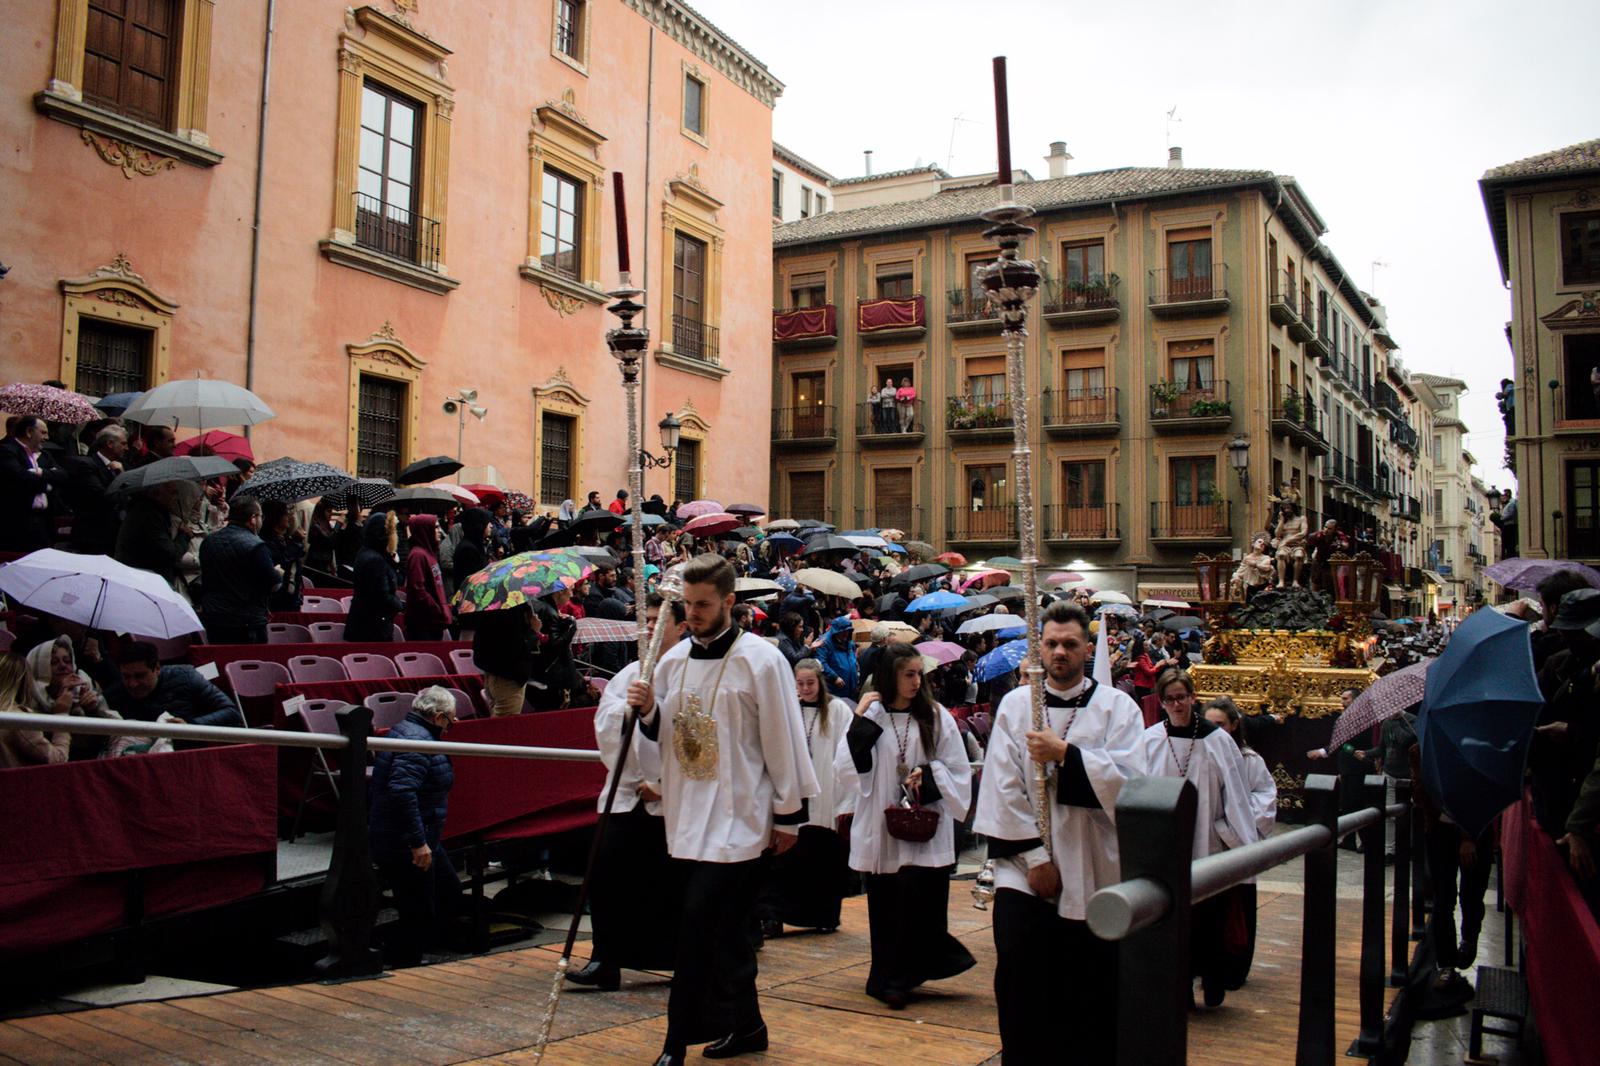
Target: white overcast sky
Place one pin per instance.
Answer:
(1387, 113)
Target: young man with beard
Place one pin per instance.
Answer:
(735, 776)
(1056, 983)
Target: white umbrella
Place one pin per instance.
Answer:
(199, 402)
(1110, 596)
(827, 582)
(984, 623)
(866, 540)
(98, 592)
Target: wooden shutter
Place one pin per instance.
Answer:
(807, 493)
(891, 498)
(129, 57)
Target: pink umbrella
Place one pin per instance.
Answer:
(47, 402)
(696, 508)
(709, 525)
(217, 442)
(1065, 577)
(941, 651)
(1388, 696)
(465, 495)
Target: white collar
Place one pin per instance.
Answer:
(1067, 694)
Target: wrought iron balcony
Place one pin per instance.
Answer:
(992, 524)
(1079, 412)
(1300, 327)
(1192, 294)
(1321, 343)
(694, 339)
(1281, 301)
(797, 327)
(814, 424)
(1191, 521)
(1335, 468)
(968, 310)
(1099, 522)
(1073, 303)
(1386, 400)
(396, 232)
(1295, 417)
(889, 426)
(977, 416)
(892, 317)
(1174, 409)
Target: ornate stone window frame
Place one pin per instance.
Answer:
(558, 396)
(122, 141)
(698, 430)
(384, 355)
(690, 208)
(692, 70)
(406, 61)
(561, 139)
(114, 293)
(580, 62)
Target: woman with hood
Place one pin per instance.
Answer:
(472, 552)
(62, 688)
(568, 513)
(375, 602)
(837, 655)
(427, 606)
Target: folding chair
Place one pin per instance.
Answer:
(419, 664)
(327, 632)
(389, 708)
(250, 678)
(364, 667)
(305, 668)
(465, 708)
(320, 605)
(462, 662)
(287, 633)
(318, 716)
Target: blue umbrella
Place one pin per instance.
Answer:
(893, 547)
(785, 543)
(1479, 706)
(935, 601)
(1121, 609)
(117, 402)
(1001, 661)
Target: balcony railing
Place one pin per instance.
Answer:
(1068, 522)
(1171, 404)
(396, 232)
(815, 422)
(1385, 399)
(973, 413)
(1191, 294)
(694, 339)
(1403, 434)
(1334, 467)
(992, 524)
(1295, 409)
(970, 307)
(1064, 409)
(1190, 521)
(907, 518)
(1078, 301)
(891, 316)
(1281, 304)
(804, 325)
(874, 420)
(1322, 343)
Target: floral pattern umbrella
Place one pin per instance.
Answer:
(521, 501)
(47, 402)
(520, 579)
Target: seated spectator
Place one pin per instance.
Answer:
(25, 747)
(410, 797)
(237, 575)
(96, 516)
(64, 689)
(149, 690)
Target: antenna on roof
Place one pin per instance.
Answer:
(1172, 117)
(950, 159)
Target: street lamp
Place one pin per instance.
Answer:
(463, 402)
(670, 427)
(1239, 459)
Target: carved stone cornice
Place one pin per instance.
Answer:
(564, 295)
(122, 142)
(712, 46)
(132, 158)
(118, 283)
(1583, 312)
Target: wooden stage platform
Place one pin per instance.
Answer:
(487, 1010)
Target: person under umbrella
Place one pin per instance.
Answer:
(238, 577)
(427, 606)
(472, 547)
(96, 514)
(152, 536)
(375, 601)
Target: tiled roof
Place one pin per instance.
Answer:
(800, 163)
(1447, 421)
(964, 205)
(1433, 381)
(1573, 159)
(930, 168)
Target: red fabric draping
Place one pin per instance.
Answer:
(505, 798)
(872, 315)
(199, 825)
(805, 322)
(222, 654)
(1562, 939)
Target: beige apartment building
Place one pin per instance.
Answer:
(1194, 347)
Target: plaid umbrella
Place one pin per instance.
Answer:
(368, 492)
(696, 508)
(604, 631)
(172, 468)
(217, 442)
(47, 402)
(520, 579)
(1387, 697)
(292, 481)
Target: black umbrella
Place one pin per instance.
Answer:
(920, 572)
(891, 603)
(1005, 593)
(293, 481)
(368, 492)
(172, 468)
(557, 538)
(598, 522)
(1160, 614)
(432, 468)
(824, 543)
(748, 509)
(1179, 622)
(981, 599)
(421, 500)
(864, 580)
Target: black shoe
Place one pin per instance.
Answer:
(736, 1044)
(670, 1059)
(1468, 950)
(1214, 993)
(597, 975)
(770, 929)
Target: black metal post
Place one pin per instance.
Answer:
(349, 903)
(1370, 1038)
(1155, 835)
(1315, 1044)
(1419, 873)
(1400, 931)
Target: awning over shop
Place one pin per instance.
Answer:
(1396, 592)
(1435, 577)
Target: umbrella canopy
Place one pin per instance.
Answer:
(116, 403)
(827, 582)
(941, 651)
(1160, 614)
(894, 548)
(488, 495)
(746, 588)
(785, 543)
(982, 578)
(596, 522)
(1176, 605)
(950, 558)
(98, 592)
(1119, 610)
(1111, 596)
(1180, 622)
(172, 468)
(466, 496)
(749, 510)
(294, 480)
(1008, 593)
(1479, 705)
(648, 520)
(422, 499)
(1004, 562)
(780, 525)
(602, 558)
(519, 501)
(520, 579)
(1524, 575)
(47, 402)
(866, 540)
(696, 508)
(994, 623)
(824, 543)
(219, 442)
(745, 531)
(712, 523)
(920, 572)
(1385, 698)
(432, 468)
(979, 599)
(199, 402)
(936, 601)
(1001, 661)
(368, 492)
(604, 631)
(1069, 578)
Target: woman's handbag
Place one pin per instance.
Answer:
(911, 821)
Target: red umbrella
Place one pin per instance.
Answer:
(486, 494)
(462, 493)
(217, 442)
(47, 402)
(951, 559)
(1388, 696)
(709, 525)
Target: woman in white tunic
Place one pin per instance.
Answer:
(805, 885)
(1223, 713)
(902, 746)
(1186, 745)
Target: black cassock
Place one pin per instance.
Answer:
(637, 895)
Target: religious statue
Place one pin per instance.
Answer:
(1322, 544)
(1254, 571)
(1290, 538)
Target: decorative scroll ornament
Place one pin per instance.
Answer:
(385, 332)
(560, 302)
(1290, 789)
(129, 157)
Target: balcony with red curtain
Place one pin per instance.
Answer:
(892, 317)
(799, 327)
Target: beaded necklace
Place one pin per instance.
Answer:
(1194, 733)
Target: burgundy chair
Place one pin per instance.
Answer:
(287, 633)
(461, 661)
(173, 649)
(418, 664)
(465, 708)
(321, 605)
(254, 677)
(389, 709)
(399, 635)
(344, 603)
(318, 716)
(364, 667)
(303, 668)
(327, 632)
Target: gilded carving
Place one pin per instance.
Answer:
(559, 301)
(131, 158)
(1290, 788)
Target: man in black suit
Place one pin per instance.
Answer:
(96, 516)
(29, 479)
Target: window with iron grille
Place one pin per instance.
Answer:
(379, 429)
(561, 223)
(569, 29)
(112, 357)
(555, 458)
(686, 470)
(130, 58)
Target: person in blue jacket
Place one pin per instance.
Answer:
(837, 654)
(410, 796)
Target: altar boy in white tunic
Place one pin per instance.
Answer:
(1188, 746)
(734, 781)
(901, 746)
(1055, 982)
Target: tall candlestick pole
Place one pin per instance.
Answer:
(1002, 120)
(622, 226)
